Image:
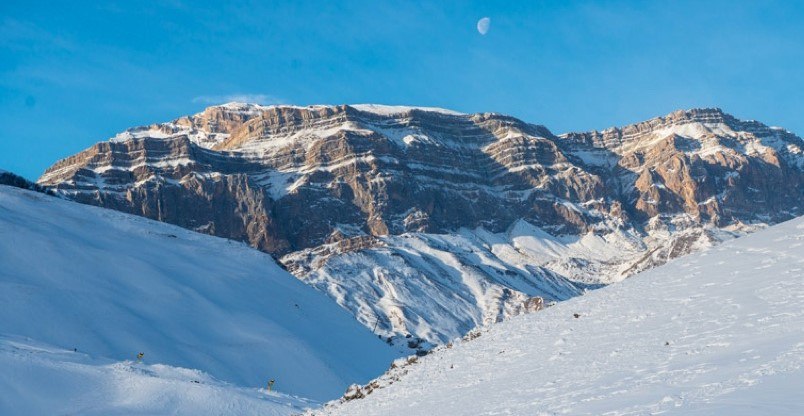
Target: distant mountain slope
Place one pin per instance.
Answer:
(424, 222)
(112, 285)
(718, 332)
(11, 179)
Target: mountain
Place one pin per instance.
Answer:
(111, 285)
(717, 332)
(426, 223)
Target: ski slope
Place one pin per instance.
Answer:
(718, 332)
(111, 285)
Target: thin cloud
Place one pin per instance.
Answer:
(18, 35)
(263, 99)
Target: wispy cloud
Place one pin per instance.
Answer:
(19, 35)
(264, 99)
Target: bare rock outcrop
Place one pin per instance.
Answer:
(473, 216)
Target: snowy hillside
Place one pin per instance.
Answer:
(111, 285)
(718, 332)
(441, 286)
(39, 379)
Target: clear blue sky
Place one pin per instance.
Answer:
(72, 74)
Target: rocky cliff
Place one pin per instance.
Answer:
(425, 222)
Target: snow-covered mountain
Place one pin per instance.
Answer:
(426, 223)
(104, 286)
(717, 332)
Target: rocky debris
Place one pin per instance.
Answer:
(353, 392)
(533, 304)
(398, 369)
(471, 335)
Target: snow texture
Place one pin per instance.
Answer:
(718, 332)
(440, 286)
(39, 379)
(112, 285)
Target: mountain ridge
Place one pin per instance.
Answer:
(387, 209)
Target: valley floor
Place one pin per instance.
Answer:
(719, 332)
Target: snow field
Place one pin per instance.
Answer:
(718, 332)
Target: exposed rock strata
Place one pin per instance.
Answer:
(428, 222)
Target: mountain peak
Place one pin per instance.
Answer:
(378, 109)
(712, 115)
(702, 115)
(388, 110)
(695, 123)
(238, 106)
(254, 108)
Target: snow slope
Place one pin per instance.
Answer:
(718, 332)
(112, 285)
(39, 379)
(441, 286)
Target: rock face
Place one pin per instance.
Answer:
(425, 222)
(706, 164)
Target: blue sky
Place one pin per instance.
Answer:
(72, 74)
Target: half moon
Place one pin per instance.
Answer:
(483, 25)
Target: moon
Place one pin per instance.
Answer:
(483, 25)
